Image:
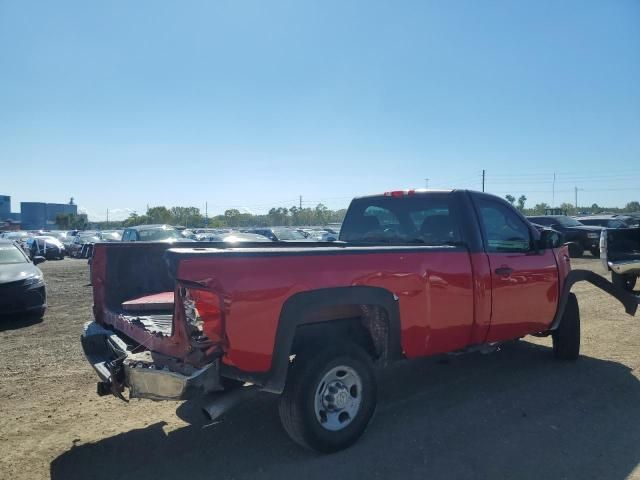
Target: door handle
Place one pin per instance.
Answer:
(504, 271)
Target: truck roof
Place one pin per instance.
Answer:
(408, 192)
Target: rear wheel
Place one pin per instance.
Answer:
(566, 338)
(627, 282)
(329, 398)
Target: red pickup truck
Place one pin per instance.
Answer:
(414, 273)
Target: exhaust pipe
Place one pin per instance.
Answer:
(227, 401)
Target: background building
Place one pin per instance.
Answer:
(5, 207)
(39, 215)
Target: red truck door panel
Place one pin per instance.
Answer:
(524, 282)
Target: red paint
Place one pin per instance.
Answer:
(525, 300)
(436, 292)
(447, 300)
(154, 302)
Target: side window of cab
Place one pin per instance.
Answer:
(504, 230)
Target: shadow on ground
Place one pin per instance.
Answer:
(513, 414)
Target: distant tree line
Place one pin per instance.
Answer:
(192, 217)
(72, 221)
(539, 208)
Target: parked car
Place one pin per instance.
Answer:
(202, 234)
(110, 235)
(620, 254)
(19, 237)
(45, 246)
(321, 236)
(188, 233)
(579, 237)
(232, 237)
(79, 247)
(415, 274)
(280, 234)
(22, 287)
(608, 221)
(153, 233)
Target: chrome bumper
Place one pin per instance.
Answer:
(145, 374)
(624, 267)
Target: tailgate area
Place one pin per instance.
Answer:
(145, 374)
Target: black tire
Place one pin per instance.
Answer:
(627, 282)
(575, 250)
(566, 338)
(595, 252)
(297, 405)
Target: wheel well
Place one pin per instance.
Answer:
(365, 325)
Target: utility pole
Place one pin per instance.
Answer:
(483, 176)
(553, 191)
(576, 190)
(206, 214)
(107, 218)
(426, 183)
(300, 202)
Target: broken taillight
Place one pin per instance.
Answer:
(203, 315)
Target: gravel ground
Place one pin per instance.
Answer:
(516, 413)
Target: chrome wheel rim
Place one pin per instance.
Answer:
(337, 398)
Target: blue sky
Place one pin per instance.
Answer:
(252, 103)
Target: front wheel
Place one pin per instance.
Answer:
(329, 398)
(627, 282)
(566, 338)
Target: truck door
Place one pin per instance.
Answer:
(524, 281)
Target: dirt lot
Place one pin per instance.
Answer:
(516, 413)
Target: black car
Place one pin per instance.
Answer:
(22, 288)
(45, 246)
(579, 237)
(609, 221)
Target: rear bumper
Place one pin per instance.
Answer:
(625, 267)
(145, 374)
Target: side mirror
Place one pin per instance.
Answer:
(550, 239)
(38, 259)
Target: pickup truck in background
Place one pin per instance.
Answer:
(579, 237)
(414, 273)
(620, 253)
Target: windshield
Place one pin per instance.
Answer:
(88, 239)
(50, 240)
(157, 234)
(288, 235)
(568, 222)
(616, 224)
(16, 235)
(115, 236)
(11, 254)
